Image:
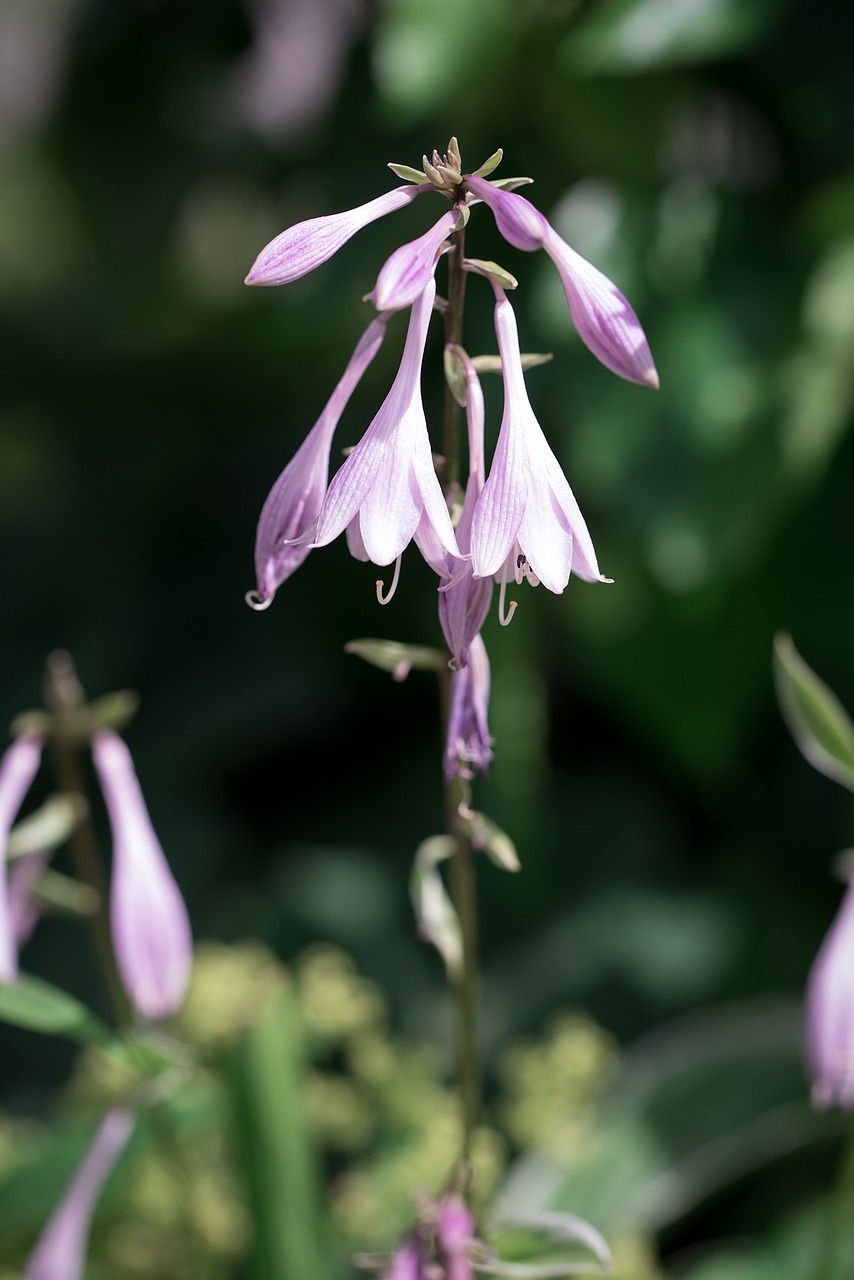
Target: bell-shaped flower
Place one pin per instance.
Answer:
(405, 273)
(306, 245)
(149, 922)
(60, 1253)
(467, 743)
(830, 1013)
(389, 482)
(604, 319)
(527, 511)
(463, 599)
(295, 500)
(18, 767)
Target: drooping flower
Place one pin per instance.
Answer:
(604, 319)
(830, 1013)
(405, 273)
(60, 1253)
(18, 767)
(149, 922)
(389, 482)
(527, 519)
(463, 599)
(24, 912)
(306, 245)
(295, 500)
(468, 744)
(439, 1246)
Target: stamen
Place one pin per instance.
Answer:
(505, 618)
(380, 584)
(258, 602)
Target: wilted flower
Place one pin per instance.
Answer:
(468, 742)
(389, 482)
(60, 1253)
(306, 245)
(148, 918)
(527, 519)
(295, 499)
(18, 767)
(604, 319)
(830, 1012)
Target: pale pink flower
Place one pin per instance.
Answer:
(468, 743)
(389, 482)
(18, 767)
(306, 245)
(527, 519)
(60, 1253)
(830, 1013)
(149, 922)
(604, 319)
(295, 500)
(406, 273)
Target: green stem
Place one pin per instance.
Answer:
(463, 881)
(837, 1234)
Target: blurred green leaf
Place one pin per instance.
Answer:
(636, 35)
(38, 1006)
(438, 921)
(48, 827)
(819, 723)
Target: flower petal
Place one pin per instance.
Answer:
(405, 274)
(18, 767)
(519, 222)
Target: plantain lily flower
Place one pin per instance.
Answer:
(526, 520)
(468, 744)
(149, 922)
(295, 500)
(604, 319)
(60, 1253)
(406, 272)
(307, 245)
(18, 767)
(388, 483)
(830, 1013)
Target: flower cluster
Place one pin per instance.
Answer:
(521, 521)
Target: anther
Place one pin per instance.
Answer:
(258, 602)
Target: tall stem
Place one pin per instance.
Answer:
(463, 881)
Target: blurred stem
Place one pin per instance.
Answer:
(463, 882)
(838, 1229)
(64, 698)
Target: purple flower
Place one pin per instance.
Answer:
(23, 911)
(60, 1253)
(306, 245)
(406, 273)
(527, 520)
(468, 742)
(388, 482)
(296, 498)
(18, 767)
(604, 320)
(438, 1247)
(830, 1013)
(148, 918)
(463, 599)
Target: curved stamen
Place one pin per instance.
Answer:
(505, 618)
(384, 599)
(258, 602)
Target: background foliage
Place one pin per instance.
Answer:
(674, 845)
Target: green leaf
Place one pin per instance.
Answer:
(38, 1006)
(399, 659)
(266, 1071)
(48, 827)
(819, 723)
(438, 921)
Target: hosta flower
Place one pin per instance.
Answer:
(468, 744)
(295, 500)
(527, 519)
(389, 482)
(463, 599)
(60, 1253)
(600, 313)
(405, 274)
(306, 245)
(440, 1246)
(830, 1013)
(17, 769)
(148, 918)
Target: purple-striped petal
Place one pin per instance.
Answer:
(17, 769)
(406, 273)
